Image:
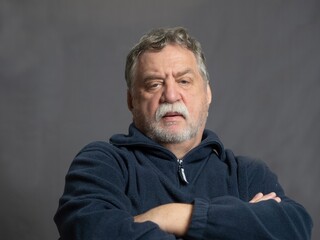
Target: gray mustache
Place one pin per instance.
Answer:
(177, 107)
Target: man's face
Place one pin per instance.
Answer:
(169, 99)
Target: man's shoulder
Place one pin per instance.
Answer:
(244, 162)
(101, 149)
(96, 146)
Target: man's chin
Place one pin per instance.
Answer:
(172, 128)
(170, 134)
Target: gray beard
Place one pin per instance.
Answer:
(162, 135)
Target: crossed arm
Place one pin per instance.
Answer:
(175, 218)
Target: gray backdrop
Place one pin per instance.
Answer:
(62, 86)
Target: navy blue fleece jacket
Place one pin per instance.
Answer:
(109, 183)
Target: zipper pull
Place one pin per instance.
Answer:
(181, 171)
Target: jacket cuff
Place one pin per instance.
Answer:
(199, 219)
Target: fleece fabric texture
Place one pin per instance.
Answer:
(109, 183)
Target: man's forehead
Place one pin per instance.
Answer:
(166, 57)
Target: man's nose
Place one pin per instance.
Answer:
(171, 92)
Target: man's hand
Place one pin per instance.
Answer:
(172, 218)
(260, 197)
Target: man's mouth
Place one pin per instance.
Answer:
(172, 114)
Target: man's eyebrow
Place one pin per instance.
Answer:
(184, 72)
(152, 76)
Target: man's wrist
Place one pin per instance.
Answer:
(172, 218)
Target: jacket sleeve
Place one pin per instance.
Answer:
(229, 217)
(94, 204)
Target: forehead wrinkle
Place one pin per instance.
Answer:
(156, 75)
(158, 68)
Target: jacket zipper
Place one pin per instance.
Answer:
(181, 172)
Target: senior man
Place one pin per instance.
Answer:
(170, 178)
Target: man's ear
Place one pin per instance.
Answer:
(209, 94)
(129, 100)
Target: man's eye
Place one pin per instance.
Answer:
(184, 82)
(152, 86)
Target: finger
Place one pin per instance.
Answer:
(277, 199)
(256, 197)
(268, 196)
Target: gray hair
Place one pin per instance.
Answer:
(156, 40)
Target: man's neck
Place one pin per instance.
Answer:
(181, 149)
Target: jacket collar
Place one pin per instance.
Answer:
(135, 138)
